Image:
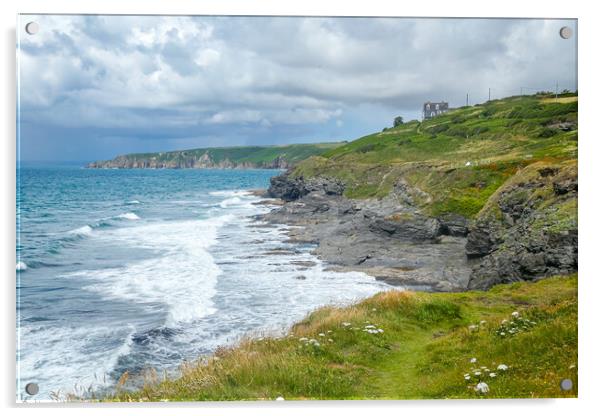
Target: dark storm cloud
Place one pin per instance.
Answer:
(111, 84)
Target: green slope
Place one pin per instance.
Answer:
(459, 158)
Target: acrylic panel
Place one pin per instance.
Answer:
(292, 208)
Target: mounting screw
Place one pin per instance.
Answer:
(32, 389)
(566, 384)
(566, 32)
(32, 28)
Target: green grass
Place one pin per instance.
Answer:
(424, 351)
(459, 158)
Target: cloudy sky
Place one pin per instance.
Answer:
(92, 87)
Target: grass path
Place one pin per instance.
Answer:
(401, 345)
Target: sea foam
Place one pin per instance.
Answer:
(129, 216)
(82, 231)
(230, 193)
(230, 201)
(21, 266)
(182, 276)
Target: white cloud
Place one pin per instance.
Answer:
(111, 71)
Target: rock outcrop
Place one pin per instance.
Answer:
(528, 230)
(290, 188)
(387, 238)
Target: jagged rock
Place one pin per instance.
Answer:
(479, 242)
(412, 228)
(287, 188)
(566, 186)
(527, 242)
(290, 188)
(454, 224)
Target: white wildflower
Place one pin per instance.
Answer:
(505, 321)
(329, 331)
(482, 387)
(302, 339)
(472, 327)
(279, 398)
(373, 309)
(466, 377)
(503, 334)
(483, 322)
(492, 375)
(477, 373)
(369, 327)
(321, 334)
(515, 314)
(502, 367)
(473, 360)
(330, 340)
(380, 330)
(346, 324)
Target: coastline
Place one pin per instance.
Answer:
(366, 236)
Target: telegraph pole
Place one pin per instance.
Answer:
(489, 95)
(466, 99)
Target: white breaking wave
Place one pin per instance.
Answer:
(129, 216)
(83, 366)
(182, 275)
(230, 193)
(21, 266)
(230, 201)
(83, 231)
(133, 202)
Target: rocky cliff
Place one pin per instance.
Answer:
(477, 196)
(247, 157)
(528, 229)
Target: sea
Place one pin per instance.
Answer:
(138, 269)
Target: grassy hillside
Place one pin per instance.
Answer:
(459, 158)
(247, 156)
(520, 339)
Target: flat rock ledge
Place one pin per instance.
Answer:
(386, 238)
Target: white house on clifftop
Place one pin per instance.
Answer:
(430, 110)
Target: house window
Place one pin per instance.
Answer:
(437, 107)
(428, 106)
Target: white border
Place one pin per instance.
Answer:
(590, 146)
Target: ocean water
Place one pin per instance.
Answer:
(135, 269)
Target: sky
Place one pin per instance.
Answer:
(93, 87)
